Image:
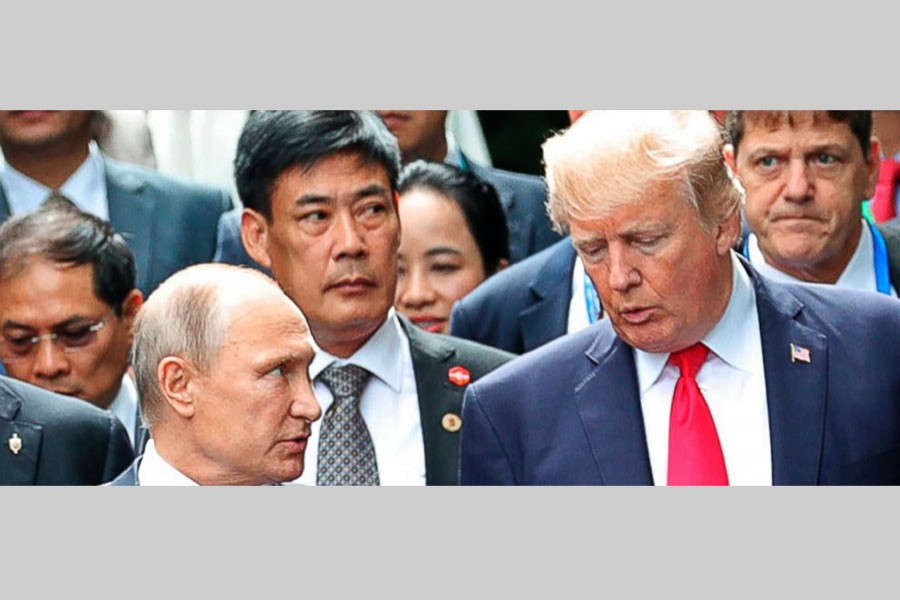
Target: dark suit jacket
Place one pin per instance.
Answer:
(891, 233)
(523, 198)
(128, 477)
(169, 224)
(229, 247)
(570, 413)
(433, 356)
(63, 441)
(522, 307)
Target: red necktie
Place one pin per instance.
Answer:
(695, 454)
(883, 207)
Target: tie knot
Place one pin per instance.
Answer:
(56, 197)
(690, 359)
(345, 382)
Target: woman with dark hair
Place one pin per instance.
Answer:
(454, 236)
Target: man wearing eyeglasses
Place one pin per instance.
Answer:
(67, 303)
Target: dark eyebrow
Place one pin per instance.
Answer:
(442, 250)
(73, 320)
(374, 189)
(307, 199)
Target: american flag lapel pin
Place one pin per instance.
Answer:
(799, 354)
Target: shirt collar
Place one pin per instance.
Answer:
(731, 339)
(86, 187)
(859, 274)
(381, 355)
(154, 470)
(455, 156)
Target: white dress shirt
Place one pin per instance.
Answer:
(154, 470)
(125, 406)
(86, 187)
(859, 274)
(732, 380)
(389, 406)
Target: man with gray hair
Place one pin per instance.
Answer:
(221, 357)
(705, 373)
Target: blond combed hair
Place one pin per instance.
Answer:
(609, 159)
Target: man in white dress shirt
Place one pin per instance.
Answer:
(705, 372)
(221, 358)
(806, 175)
(67, 305)
(319, 195)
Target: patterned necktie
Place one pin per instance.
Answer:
(346, 452)
(695, 454)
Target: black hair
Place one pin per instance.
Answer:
(477, 199)
(275, 140)
(61, 233)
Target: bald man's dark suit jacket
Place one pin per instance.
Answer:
(569, 413)
(48, 439)
(169, 223)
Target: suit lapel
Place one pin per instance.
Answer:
(609, 404)
(437, 398)
(17, 468)
(546, 320)
(795, 390)
(131, 214)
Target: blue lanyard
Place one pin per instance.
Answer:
(591, 300)
(882, 272)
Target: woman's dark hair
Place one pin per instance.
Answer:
(477, 200)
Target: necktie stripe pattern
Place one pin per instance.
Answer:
(346, 452)
(695, 453)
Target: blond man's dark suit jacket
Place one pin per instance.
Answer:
(48, 439)
(169, 223)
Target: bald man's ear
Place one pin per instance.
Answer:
(255, 236)
(174, 376)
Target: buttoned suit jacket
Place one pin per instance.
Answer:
(522, 307)
(169, 223)
(570, 413)
(50, 439)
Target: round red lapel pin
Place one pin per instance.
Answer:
(459, 376)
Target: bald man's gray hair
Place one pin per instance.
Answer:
(609, 159)
(183, 318)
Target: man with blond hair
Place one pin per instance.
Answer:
(705, 373)
(221, 358)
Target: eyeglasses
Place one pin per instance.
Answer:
(70, 339)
